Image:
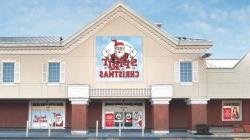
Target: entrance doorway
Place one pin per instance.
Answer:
(128, 114)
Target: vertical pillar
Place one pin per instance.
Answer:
(160, 116)
(197, 109)
(79, 97)
(79, 113)
(160, 97)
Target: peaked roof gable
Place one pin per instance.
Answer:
(120, 10)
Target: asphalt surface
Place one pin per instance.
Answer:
(130, 138)
(113, 135)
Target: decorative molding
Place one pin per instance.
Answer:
(78, 94)
(162, 91)
(160, 101)
(120, 93)
(78, 91)
(197, 101)
(79, 101)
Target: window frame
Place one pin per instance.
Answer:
(189, 82)
(53, 83)
(2, 72)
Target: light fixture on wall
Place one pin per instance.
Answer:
(206, 55)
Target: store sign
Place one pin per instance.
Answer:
(231, 111)
(109, 119)
(119, 58)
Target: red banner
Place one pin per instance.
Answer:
(227, 113)
(109, 119)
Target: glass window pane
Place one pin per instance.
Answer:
(186, 71)
(8, 72)
(54, 72)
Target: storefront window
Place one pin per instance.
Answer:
(45, 114)
(127, 115)
(231, 111)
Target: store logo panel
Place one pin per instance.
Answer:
(119, 58)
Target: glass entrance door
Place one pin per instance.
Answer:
(128, 115)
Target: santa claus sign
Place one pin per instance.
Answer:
(119, 58)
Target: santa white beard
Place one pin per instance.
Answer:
(58, 122)
(119, 54)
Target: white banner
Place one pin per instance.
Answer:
(119, 58)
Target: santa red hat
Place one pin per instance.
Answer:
(118, 43)
(58, 115)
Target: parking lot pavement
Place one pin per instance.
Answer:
(113, 135)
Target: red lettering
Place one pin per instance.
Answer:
(101, 74)
(133, 62)
(126, 64)
(137, 74)
(105, 62)
(106, 74)
(111, 74)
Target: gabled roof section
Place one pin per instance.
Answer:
(31, 41)
(175, 45)
(141, 22)
(221, 63)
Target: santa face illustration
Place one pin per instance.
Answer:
(119, 49)
(58, 120)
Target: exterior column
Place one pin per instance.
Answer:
(160, 97)
(79, 97)
(160, 116)
(197, 109)
(79, 113)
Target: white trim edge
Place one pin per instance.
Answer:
(197, 101)
(160, 101)
(160, 132)
(78, 132)
(79, 101)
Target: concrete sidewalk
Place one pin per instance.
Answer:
(65, 134)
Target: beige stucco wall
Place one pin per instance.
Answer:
(158, 63)
(230, 83)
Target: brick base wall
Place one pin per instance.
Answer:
(94, 113)
(177, 110)
(13, 113)
(160, 117)
(214, 113)
(79, 117)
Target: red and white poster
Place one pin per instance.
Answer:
(119, 58)
(137, 119)
(109, 119)
(128, 119)
(227, 113)
(231, 111)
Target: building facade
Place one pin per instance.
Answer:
(124, 72)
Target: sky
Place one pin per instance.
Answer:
(225, 22)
